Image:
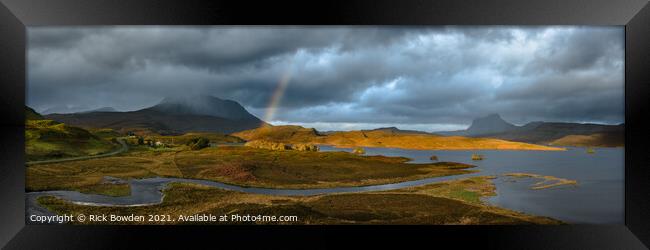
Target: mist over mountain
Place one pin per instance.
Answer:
(202, 105)
(103, 109)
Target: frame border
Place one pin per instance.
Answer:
(15, 15)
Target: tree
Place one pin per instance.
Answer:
(199, 143)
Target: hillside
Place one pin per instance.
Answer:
(382, 138)
(593, 140)
(47, 139)
(286, 133)
(31, 114)
(170, 116)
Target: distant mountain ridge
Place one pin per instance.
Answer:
(395, 130)
(554, 133)
(172, 115)
(102, 109)
(203, 105)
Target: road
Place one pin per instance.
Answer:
(124, 148)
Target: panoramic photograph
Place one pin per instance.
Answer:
(325, 125)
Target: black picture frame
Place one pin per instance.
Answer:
(15, 15)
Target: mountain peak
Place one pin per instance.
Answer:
(203, 105)
(490, 124)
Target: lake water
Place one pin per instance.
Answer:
(598, 197)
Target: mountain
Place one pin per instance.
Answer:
(203, 105)
(554, 133)
(173, 115)
(490, 124)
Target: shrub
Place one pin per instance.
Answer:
(359, 151)
(198, 143)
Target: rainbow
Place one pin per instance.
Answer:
(278, 93)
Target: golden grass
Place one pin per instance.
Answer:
(242, 166)
(379, 138)
(246, 166)
(593, 140)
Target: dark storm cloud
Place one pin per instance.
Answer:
(437, 77)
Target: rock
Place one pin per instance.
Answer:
(305, 147)
(267, 145)
(433, 158)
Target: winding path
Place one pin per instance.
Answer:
(122, 149)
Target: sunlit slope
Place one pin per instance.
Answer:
(593, 140)
(47, 139)
(383, 138)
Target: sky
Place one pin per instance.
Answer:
(424, 78)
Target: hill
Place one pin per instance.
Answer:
(171, 116)
(592, 140)
(47, 139)
(382, 138)
(31, 114)
(286, 133)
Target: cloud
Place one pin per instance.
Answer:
(441, 76)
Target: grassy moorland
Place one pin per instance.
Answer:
(88, 175)
(247, 166)
(452, 202)
(47, 139)
(383, 138)
(242, 166)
